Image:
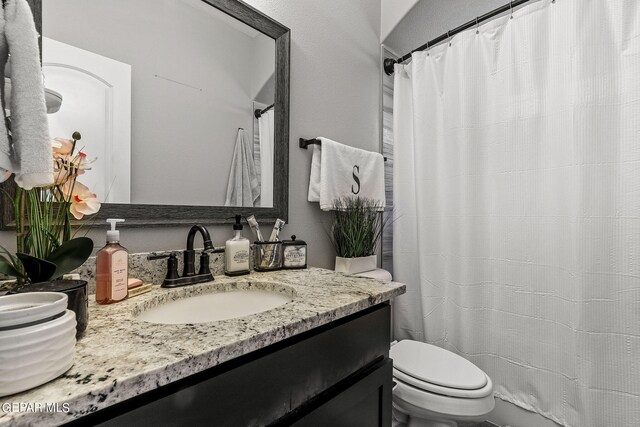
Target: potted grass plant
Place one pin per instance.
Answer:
(47, 247)
(355, 233)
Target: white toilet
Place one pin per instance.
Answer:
(437, 388)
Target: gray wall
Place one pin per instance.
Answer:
(335, 77)
(263, 80)
(335, 66)
(392, 12)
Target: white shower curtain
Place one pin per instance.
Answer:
(266, 129)
(517, 193)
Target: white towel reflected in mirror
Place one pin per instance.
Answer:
(243, 187)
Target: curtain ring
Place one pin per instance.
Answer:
(511, 8)
(477, 26)
(449, 37)
(427, 48)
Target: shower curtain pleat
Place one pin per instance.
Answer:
(517, 198)
(267, 128)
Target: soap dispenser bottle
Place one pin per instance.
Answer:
(112, 265)
(236, 252)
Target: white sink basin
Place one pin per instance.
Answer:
(215, 306)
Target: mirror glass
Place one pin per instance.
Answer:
(173, 99)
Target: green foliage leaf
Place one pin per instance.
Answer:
(357, 226)
(7, 267)
(10, 266)
(70, 255)
(38, 270)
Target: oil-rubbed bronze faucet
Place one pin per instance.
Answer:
(190, 253)
(189, 276)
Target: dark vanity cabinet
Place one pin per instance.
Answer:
(338, 374)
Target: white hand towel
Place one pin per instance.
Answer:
(338, 170)
(243, 188)
(29, 155)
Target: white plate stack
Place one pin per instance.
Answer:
(37, 339)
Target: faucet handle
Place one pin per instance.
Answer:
(155, 255)
(172, 267)
(204, 263)
(172, 264)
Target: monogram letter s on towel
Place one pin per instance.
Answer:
(356, 179)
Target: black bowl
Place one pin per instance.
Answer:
(78, 300)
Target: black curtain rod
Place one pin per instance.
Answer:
(390, 62)
(259, 112)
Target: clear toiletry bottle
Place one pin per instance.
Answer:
(236, 252)
(112, 268)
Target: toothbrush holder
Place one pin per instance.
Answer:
(267, 256)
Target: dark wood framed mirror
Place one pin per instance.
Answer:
(141, 211)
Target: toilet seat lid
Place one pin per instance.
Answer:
(436, 365)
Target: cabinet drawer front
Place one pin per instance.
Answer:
(364, 403)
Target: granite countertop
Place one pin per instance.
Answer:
(120, 357)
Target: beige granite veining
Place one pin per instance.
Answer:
(121, 357)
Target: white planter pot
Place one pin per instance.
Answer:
(357, 265)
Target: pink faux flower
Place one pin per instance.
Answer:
(61, 147)
(83, 201)
(66, 166)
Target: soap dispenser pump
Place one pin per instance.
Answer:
(112, 268)
(236, 253)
